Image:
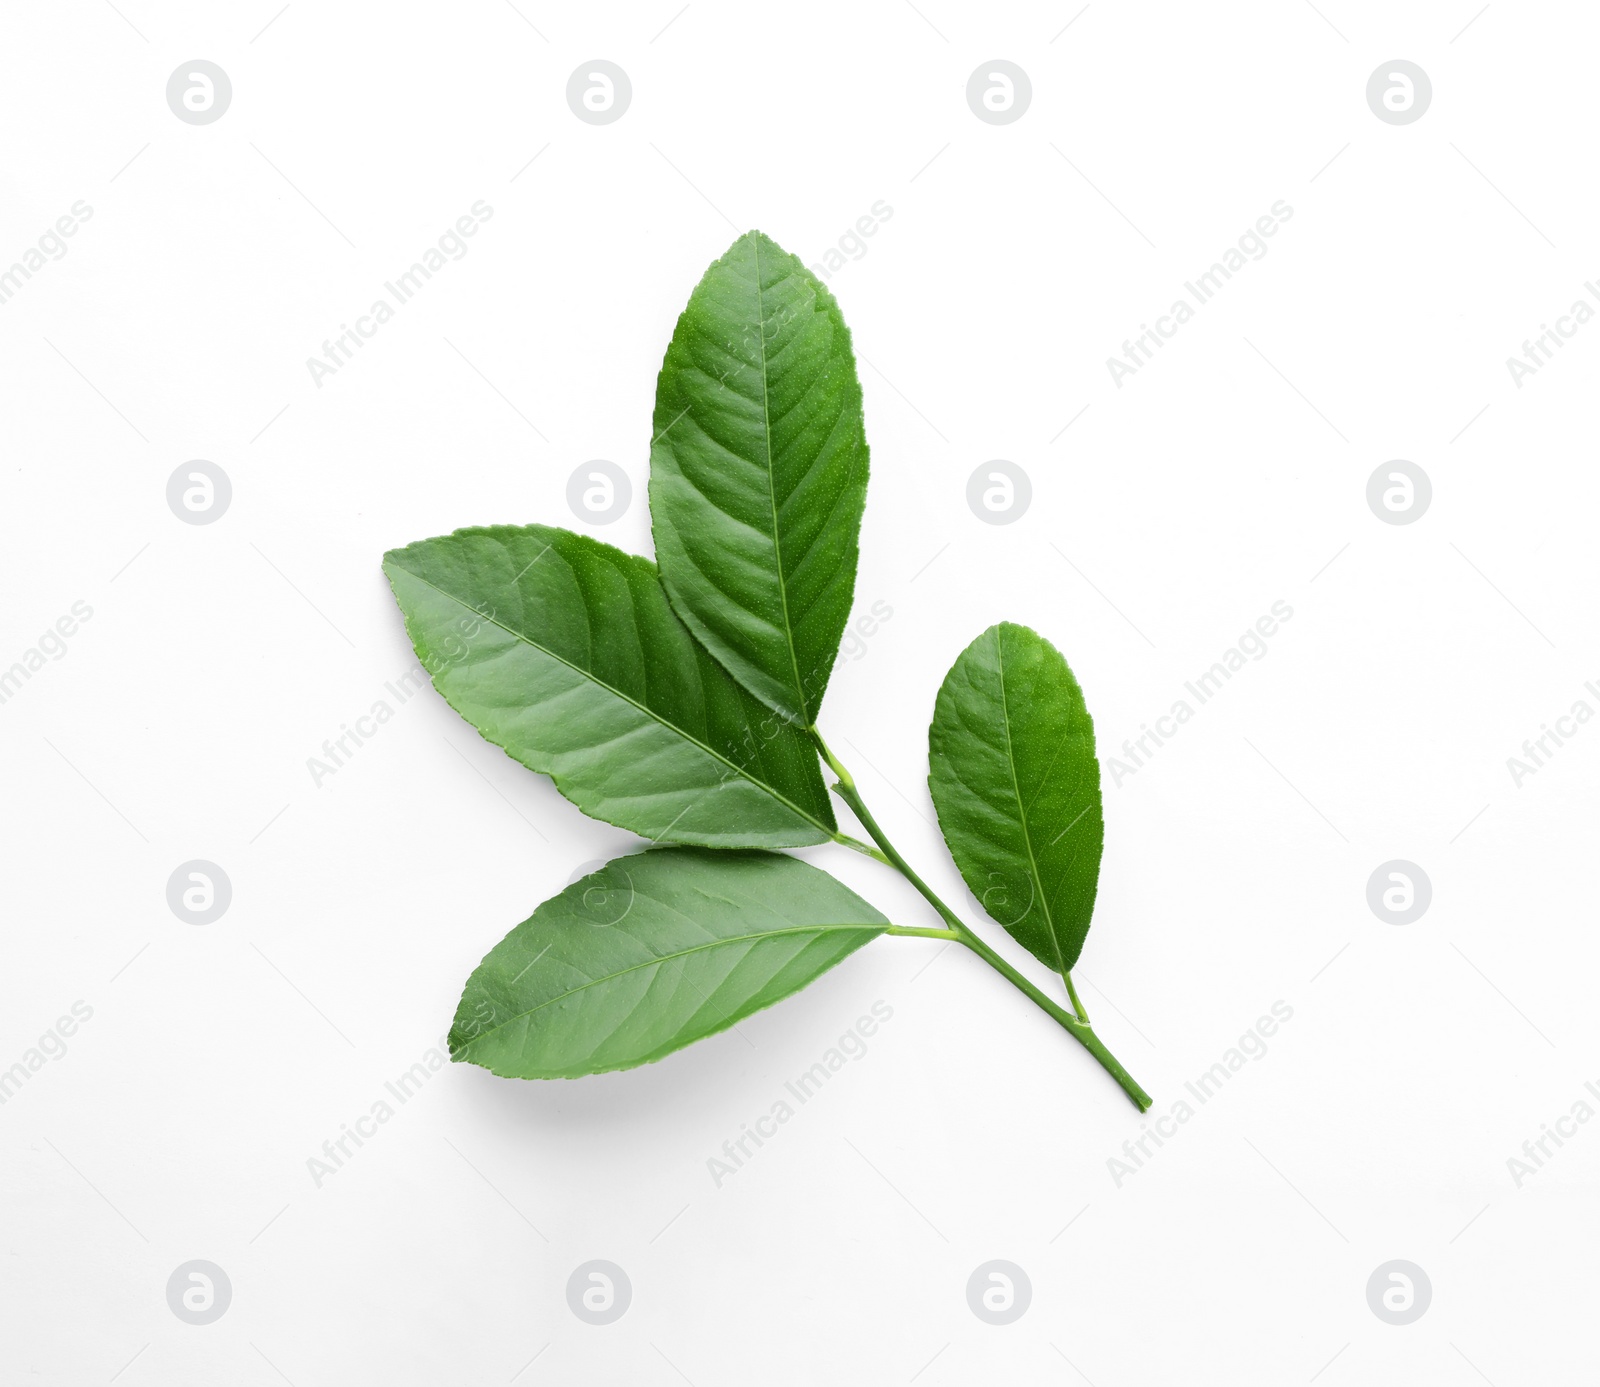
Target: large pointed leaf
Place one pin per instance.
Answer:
(651, 953)
(758, 473)
(564, 651)
(1016, 785)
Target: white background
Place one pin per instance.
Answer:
(1229, 473)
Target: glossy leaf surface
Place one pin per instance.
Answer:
(651, 953)
(1016, 784)
(565, 652)
(758, 473)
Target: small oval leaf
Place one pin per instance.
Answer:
(1016, 785)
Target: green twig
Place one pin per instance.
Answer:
(1076, 1026)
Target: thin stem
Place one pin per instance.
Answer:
(912, 933)
(1072, 992)
(1079, 1030)
(1075, 1026)
(865, 849)
(846, 790)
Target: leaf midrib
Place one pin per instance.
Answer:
(772, 490)
(629, 699)
(1022, 810)
(668, 958)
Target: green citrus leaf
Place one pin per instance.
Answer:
(565, 652)
(650, 954)
(1015, 781)
(758, 473)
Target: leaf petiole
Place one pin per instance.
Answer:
(865, 849)
(1076, 1026)
(1072, 993)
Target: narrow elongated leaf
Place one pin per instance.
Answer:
(758, 473)
(1016, 785)
(565, 652)
(651, 953)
